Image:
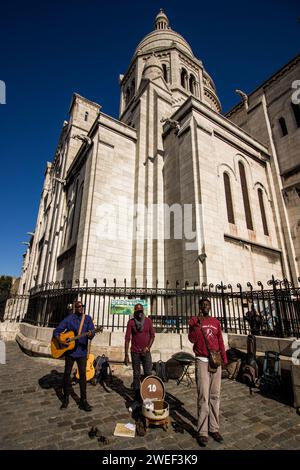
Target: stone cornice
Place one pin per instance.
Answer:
(173, 47)
(222, 121)
(92, 104)
(244, 241)
(277, 75)
(117, 126)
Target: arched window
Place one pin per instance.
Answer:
(296, 110)
(262, 211)
(245, 196)
(183, 78)
(283, 127)
(165, 72)
(228, 196)
(86, 116)
(192, 83)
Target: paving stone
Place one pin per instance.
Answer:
(247, 422)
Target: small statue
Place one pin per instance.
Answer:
(172, 123)
(83, 138)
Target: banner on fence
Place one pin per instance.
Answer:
(126, 306)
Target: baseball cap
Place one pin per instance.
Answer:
(138, 308)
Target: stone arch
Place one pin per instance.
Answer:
(165, 72)
(257, 185)
(243, 159)
(223, 167)
(184, 78)
(192, 84)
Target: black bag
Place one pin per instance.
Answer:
(53, 380)
(160, 370)
(233, 354)
(102, 368)
(174, 369)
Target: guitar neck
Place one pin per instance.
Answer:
(80, 336)
(97, 330)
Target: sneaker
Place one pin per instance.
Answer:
(216, 436)
(202, 441)
(84, 405)
(65, 403)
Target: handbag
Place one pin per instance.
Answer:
(214, 357)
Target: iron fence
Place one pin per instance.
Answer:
(273, 310)
(15, 308)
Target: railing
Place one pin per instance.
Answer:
(16, 308)
(271, 311)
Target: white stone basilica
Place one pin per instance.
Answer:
(230, 184)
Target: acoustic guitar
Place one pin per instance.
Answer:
(90, 369)
(69, 338)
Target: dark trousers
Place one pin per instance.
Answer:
(67, 385)
(137, 359)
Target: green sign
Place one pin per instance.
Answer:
(126, 306)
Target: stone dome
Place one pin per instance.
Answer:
(163, 37)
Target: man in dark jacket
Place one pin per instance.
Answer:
(141, 333)
(79, 354)
(208, 384)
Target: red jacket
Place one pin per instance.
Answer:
(212, 330)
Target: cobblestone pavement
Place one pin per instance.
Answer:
(31, 419)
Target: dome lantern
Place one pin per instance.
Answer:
(161, 21)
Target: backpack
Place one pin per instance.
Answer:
(160, 370)
(270, 382)
(102, 368)
(233, 369)
(249, 376)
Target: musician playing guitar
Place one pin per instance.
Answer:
(79, 323)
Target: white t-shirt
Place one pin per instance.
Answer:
(202, 358)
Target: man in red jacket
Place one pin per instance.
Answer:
(208, 384)
(141, 333)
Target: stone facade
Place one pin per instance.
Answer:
(168, 151)
(267, 110)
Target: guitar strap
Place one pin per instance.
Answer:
(79, 333)
(81, 324)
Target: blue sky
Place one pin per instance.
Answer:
(48, 50)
